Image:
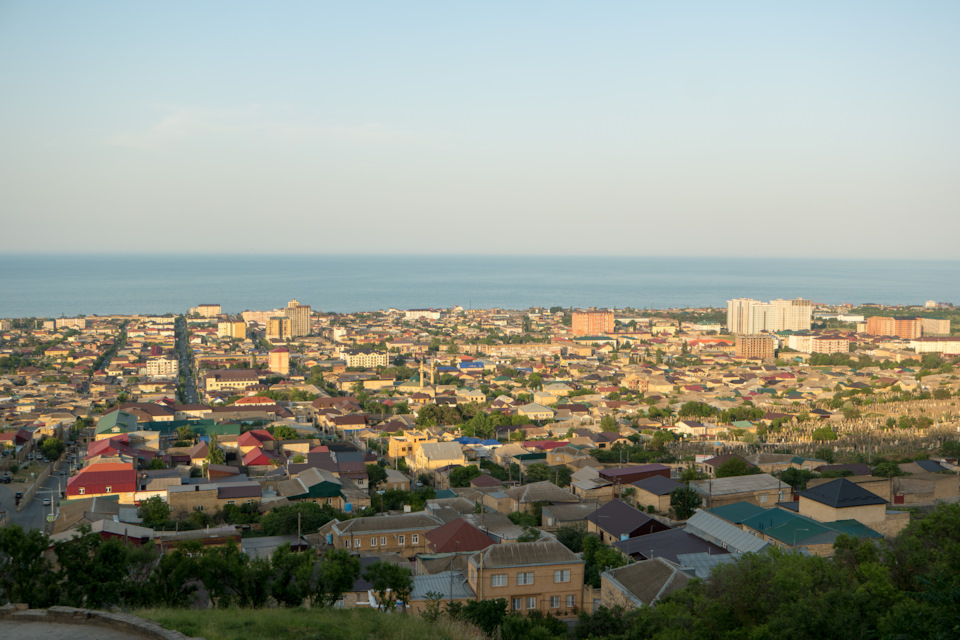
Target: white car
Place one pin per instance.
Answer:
(46, 502)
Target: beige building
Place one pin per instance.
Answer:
(433, 455)
(404, 534)
(235, 329)
(406, 444)
(208, 310)
(933, 326)
(755, 347)
(299, 315)
(531, 576)
(748, 316)
(280, 361)
(761, 489)
(162, 368)
(365, 359)
(279, 328)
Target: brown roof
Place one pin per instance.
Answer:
(458, 535)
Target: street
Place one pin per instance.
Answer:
(34, 515)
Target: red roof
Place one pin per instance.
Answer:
(545, 445)
(254, 438)
(259, 458)
(95, 479)
(458, 535)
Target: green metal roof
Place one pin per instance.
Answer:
(736, 512)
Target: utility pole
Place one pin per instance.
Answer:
(299, 513)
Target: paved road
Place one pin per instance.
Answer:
(34, 515)
(57, 631)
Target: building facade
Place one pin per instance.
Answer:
(755, 347)
(279, 328)
(748, 316)
(899, 326)
(592, 323)
(299, 315)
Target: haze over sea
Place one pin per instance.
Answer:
(45, 285)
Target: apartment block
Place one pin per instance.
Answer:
(364, 358)
(755, 347)
(299, 315)
(279, 328)
(829, 344)
(236, 329)
(162, 368)
(592, 323)
(899, 326)
(747, 316)
(935, 326)
(280, 361)
(207, 310)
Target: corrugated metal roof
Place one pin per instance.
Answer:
(719, 531)
(526, 554)
(440, 583)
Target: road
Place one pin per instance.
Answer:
(186, 362)
(34, 515)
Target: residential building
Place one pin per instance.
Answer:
(617, 520)
(405, 534)
(899, 326)
(162, 367)
(211, 497)
(641, 584)
(755, 347)
(531, 576)
(235, 329)
(207, 310)
(418, 314)
(280, 360)
(760, 489)
(592, 323)
(829, 344)
(748, 316)
(299, 315)
(935, 326)
(230, 379)
(279, 328)
(102, 480)
(364, 358)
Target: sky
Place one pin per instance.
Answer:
(813, 129)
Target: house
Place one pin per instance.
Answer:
(655, 492)
(324, 487)
(104, 479)
(642, 584)
(628, 475)
(457, 536)
(711, 465)
(587, 485)
(211, 497)
(431, 456)
(525, 497)
(666, 544)
(555, 516)
(760, 489)
(532, 576)
(728, 536)
(404, 534)
(535, 411)
(115, 423)
(617, 520)
(841, 500)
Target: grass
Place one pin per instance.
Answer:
(306, 624)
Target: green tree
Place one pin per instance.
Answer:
(736, 467)
(376, 475)
(293, 572)
(798, 478)
(597, 558)
(156, 464)
(571, 536)
(387, 577)
(825, 454)
(461, 476)
(336, 573)
(823, 434)
(283, 432)
(155, 512)
(609, 423)
(215, 455)
(52, 448)
(685, 501)
(25, 574)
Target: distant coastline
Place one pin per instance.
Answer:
(51, 285)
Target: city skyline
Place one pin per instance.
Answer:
(747, 129)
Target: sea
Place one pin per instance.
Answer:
(67, 285)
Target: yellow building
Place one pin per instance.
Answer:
(279, 328)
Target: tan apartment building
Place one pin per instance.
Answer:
(279, 328)
(934, 326)
(592, 323)
(299, 315)
(280, 360)
(236, 329)
(755, 347)
(406, 444)
(364, 358)
(899, 326)
(531, 576)
(230, 379)
(826, 344)
(162, 367)
(207, 310)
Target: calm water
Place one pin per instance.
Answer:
(51, 286)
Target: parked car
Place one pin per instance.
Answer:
(6, 479)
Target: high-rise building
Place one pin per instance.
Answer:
(232, 329)
(278, 328)
(592, 323)
(755, 347)
(899, 326)
(748, 316)
(280, 361)
(299, 315)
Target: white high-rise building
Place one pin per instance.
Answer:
(749, 317)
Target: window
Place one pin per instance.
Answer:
(199, 507)
(346, 544)
(498, 580)
(356, 543)
(383, 541)
(400, 540)
(763, 497)
(81, 491)
(571, 601)
(231, 502)
(416, 538)
(555, 602)
(373, 542)
(531, 603)
(561, 575)
(109, 489)
(517, 603)
(524, 578)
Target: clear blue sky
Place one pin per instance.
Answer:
(636, 128)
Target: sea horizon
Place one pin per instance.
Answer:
(50, 285)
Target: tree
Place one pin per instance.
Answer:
(597, 558)
(156, 464)
(293, 572)
(823, 434)
(155, 512)
(283, 432)
(386, 577)
(571, 536)
(25, 575)
(684, 501)
(798, 478)
(609, 423)
(336, 573)
(376, 475)
(461, 476)
(52, 448)
(215, 455)
(736, 467)
(825, 454)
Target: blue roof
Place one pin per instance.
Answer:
(490, 442)
(467, 440)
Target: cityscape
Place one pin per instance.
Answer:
(559, 463)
